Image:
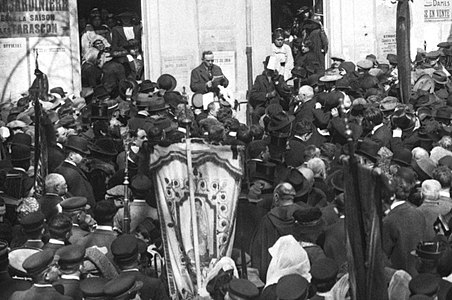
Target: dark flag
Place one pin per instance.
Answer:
(363, 211)
(39, 90)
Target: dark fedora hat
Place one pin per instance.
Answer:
(402, 119)
(173, 99)
(368, 149)
(298, 181)
(147, 86)
(157, 103)
(279, 121)
(77, 144)
(402, 157)
(104, 146)
(128, 83)
(143, 100)
(99, 111)
(424, 168)
(100, 92)
(20, 152)
(428, 250)
(58, 90)
(166, 82)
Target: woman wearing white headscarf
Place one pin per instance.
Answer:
(288, 257)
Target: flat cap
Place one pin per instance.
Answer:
(365, 64)
(125, 248)
(33, 221)
(122, 285)
(444, 45)
(93, 287)
(38, 262)
(68, 255)
(433, 54)
(73, 203)
(243, 288)
(291, 287)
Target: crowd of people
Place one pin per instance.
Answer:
(69, 239)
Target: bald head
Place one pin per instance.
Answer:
(283, 192)
(55, 184)
(305, 93)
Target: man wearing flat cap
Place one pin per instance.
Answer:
(126, 251)
(76, 148)
(33, 228)
(204, 77)
(70, 260)
(43, 272)
(82, 222)
(92, 288)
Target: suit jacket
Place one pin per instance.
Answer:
(153, 288)
(431, 210)
(102, 239)
(71, 288)
(48, 203)
(8, 285)
(334, 245)
(77, 182)
(112, 73)
(39, 293)
(403, 228)
(119, 39)
(258, 92)
(200, 76)
(57, 155)
(77, 234)
(382, 135)
(304, 111)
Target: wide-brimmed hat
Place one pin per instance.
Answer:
(298, 181)
(424, 83)
(166, 82)
(143, 100)
(104, 146)
(338, 57)
(388, 103)
(369, 149)
(424, 167)
(77, 144)
(428, 250)
(330, 76)
(440, 77)
(279, 121)
(392, 58)
(147, 86)
(157, 103)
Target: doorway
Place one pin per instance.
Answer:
(284, 12)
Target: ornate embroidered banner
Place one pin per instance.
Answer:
(217, 172)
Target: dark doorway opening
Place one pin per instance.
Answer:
(283, 12)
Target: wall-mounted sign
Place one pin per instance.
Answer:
(437, 11)
(34, 18)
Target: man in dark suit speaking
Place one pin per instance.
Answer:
(207, 76)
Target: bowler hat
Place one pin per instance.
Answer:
(167, 82)
(369, 149)
(22, 139)
(20, 153)
(402, 157)
(104, 146)
(147, 86)
(77, 144)
(440, 77)
(392, 58)
(157, 103)
(279, 121)
(59, 91)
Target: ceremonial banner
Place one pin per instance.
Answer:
(217, 172)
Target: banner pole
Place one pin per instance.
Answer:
(194, 219)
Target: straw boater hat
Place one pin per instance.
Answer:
(330, 76)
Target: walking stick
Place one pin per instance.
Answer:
(194, 219)
(126, 219)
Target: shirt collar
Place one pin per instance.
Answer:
(397, 203)
(70, 162)
(20, 169)
(139, 201)
(67, 276)
(56, 242)
(376, 128)
(41, 285)
(104, 227)
(444, 193)
(131, 270)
